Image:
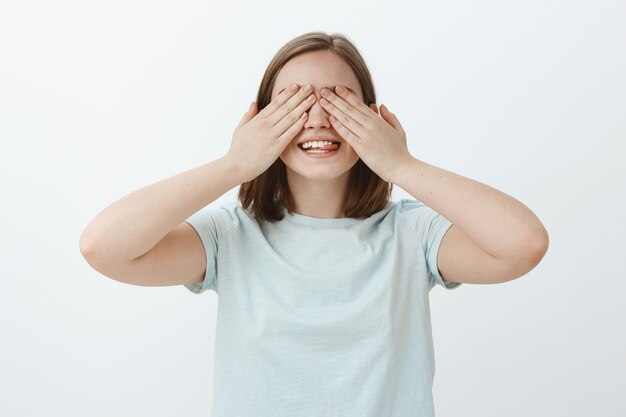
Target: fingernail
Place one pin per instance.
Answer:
(293, 87)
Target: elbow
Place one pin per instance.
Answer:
(90, 251)
(539, 243)
(530, 253)
(534, 249)
(89, 254)
(86, 245)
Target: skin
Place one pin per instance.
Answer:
(318, 185)
(494, 237)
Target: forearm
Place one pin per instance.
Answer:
(134, 224)
(495, 221)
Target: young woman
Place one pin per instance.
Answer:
(323, 282)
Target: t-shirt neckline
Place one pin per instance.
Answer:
(318, 221)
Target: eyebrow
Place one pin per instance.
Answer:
(330, 88)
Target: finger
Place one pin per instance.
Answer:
(292, 103)
(293, 115)
(279, 100)
(345, 119)
(352, 139)
(349, 103)
(248, 115)
(289, 134)
(390, 117)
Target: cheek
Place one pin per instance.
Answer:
(287, 152)
(349, 148)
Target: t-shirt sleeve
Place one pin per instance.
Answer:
(212, 223)
(429, 227)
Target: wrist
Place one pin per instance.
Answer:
(405, 170)
(234, 172)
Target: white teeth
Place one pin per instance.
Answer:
(316, 144)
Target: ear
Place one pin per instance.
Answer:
(374, 107)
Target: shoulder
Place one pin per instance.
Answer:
(222, 217)
(410, 205)
(412, 208)
(423, 222)
(415, 212)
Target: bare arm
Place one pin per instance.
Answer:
(132, 225)
(143, 238)
(494, 237)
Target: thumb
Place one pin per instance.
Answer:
(248, 115)
(390, 117)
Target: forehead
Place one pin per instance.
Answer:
(318, 68)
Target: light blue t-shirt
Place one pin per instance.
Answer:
(322, 317)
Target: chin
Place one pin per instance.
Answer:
(322, 176)
(320, 172)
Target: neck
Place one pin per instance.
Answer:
(318, 198)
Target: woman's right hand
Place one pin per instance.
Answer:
(259, 139)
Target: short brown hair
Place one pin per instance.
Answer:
(367, 193)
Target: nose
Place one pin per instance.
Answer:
(318, 117)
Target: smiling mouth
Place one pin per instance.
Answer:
(332, 147)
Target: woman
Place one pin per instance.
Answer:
(323, 282)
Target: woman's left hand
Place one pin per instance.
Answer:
(379, 141)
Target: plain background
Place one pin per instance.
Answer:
(100, 98)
